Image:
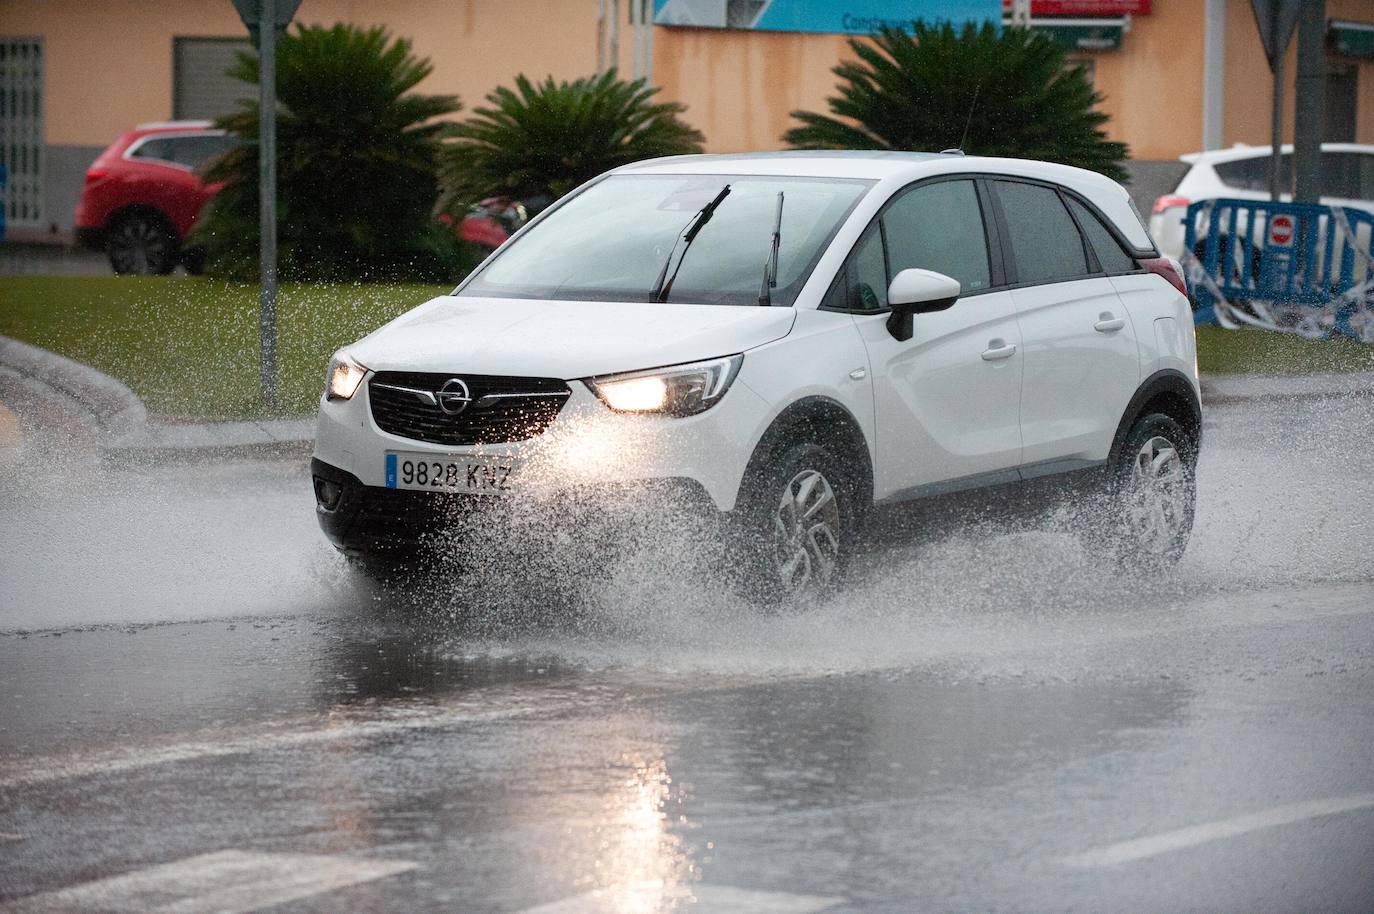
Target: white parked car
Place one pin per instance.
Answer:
(796, 340)
(1242, 173)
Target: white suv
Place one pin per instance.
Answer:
(795, 339)
(1243, 173)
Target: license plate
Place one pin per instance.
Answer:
(425, 472)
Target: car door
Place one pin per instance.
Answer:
(946, 401)
(1081, 359)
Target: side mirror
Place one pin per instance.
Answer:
(918, 292)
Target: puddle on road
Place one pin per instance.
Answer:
(1284, 499)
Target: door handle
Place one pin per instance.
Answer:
(999, 350)
(1109, 324)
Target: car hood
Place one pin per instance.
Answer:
(562, 339)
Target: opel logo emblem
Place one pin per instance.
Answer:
(453, 397)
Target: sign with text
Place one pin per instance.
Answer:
(829, 16)
(1085, 7)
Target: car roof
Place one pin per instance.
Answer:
(1241, 151)
(901, 168)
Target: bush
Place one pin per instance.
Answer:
(1012, 92)
(357, 161)
(544, 140)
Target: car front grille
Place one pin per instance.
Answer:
(498, 409)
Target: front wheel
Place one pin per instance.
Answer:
(1153, 493)
(141, 244)
(796, 527)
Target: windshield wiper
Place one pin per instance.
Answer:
(770, 266)
(664, 284)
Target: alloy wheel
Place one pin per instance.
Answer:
(138, 246)
(1157, 496)
(806, 528)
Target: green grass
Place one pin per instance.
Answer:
(1250, 350)
(189, 345)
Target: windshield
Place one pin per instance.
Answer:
(610, 242)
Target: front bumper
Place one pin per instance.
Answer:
(372, 520)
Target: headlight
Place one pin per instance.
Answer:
(681, 390)
(344, 375)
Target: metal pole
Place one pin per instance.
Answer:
(1276, 188)
(614, 43)
(1309, 121)
(634, 39)
(267, 200)
(649, 41)
(1213, 72)
(601, 37)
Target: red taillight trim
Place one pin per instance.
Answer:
(95, 174)
(1168, 268)
(1168, 201)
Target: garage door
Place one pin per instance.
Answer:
(202, 88)
(21, 129)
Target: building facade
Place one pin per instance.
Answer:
(76, 73)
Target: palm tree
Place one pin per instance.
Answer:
(357, 164)
(989, 92)
(544, 140)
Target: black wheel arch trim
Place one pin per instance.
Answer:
(1173, 388)
(824, 421)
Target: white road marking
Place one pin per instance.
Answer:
(1153, 845)
(226, 882)
(43, 770)
(717, 899)
(10, 836)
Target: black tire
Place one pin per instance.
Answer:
(1151, 497)
(141, 244)
(777, 565)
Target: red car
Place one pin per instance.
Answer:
(144, 193)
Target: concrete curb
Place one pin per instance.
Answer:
(123, 431)
(115, 410)
(1222, 389)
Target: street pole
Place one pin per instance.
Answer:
(1213, 72)
(267, 198)
(1309, 120)
(1276, 187)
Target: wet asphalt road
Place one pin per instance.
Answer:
(203, 710)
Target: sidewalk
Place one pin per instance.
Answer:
(122, 430)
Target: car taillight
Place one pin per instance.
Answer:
(1166, 202)
(1169, 269)
(95, 174)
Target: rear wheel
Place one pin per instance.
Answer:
(797, 526)
(141, 244)
(1153, 494)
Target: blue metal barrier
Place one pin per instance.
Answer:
(1296, 267)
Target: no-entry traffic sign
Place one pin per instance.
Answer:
(1281, 231)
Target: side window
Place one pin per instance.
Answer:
(195, 151)
(1045, 244)
(939, 227)
(1367, 177)
(1110, 256)
(160, 149)
(1340, 175)
(868, 273)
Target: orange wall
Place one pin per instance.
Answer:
(109, 64)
